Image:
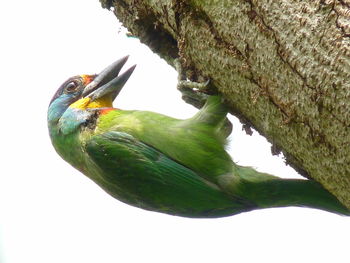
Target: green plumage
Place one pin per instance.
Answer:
(196, 143)
(148, 179)
(179, 167)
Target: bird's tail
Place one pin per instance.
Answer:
(270, 191)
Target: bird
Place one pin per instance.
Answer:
(158, 163)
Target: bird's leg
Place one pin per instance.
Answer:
(193, 93)
(196, 94)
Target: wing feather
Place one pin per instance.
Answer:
(156, 182)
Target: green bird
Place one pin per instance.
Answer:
(163, 164)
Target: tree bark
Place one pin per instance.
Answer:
(282, 66)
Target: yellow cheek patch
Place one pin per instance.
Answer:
(103, 102)
(85, 103)
(81, 104)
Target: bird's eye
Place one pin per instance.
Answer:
(72, 86)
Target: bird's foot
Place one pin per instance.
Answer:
(197, 93)
(194, 93)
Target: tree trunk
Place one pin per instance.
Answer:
(283, 67)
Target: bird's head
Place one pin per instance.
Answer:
(89, 91)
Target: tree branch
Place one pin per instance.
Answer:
(283, 67)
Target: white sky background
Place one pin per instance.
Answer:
(51, 213)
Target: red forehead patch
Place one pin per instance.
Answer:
(88, 78)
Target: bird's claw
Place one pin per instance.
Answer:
(193, 93)
(196, 86)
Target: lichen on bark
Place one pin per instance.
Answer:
(282, 66)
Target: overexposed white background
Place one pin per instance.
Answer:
(51, 213)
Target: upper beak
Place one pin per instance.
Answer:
(108, 83)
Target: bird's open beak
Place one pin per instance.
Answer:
(105, 87)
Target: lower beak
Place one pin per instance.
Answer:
(108, 84)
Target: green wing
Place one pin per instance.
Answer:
(142, 176)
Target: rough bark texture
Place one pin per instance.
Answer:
(283, 67)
